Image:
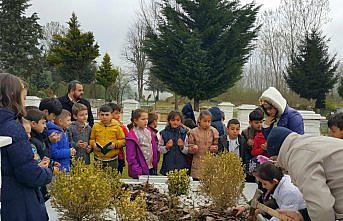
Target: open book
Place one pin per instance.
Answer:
(104, 149)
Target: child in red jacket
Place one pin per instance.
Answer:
(260, 145)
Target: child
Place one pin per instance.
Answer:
(141, 146)
(217, 122)
(51, 107)
(61, 151)
(107, 134)
(173, 144)
(286, 195)
(202, 139)
(255, 139)
(335, 124)
(80, 132)
(152, 124)
(237, 144)
(116, 116)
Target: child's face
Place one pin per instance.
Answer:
(39, 127)
(336, 132)
(142, 121)
(27, 128)
(267, 184)
(105, 117)
(82, 116)
(256, 124)
(116, 115)
(233, 131)
(64, 122)
(205, 122)
(175, 122)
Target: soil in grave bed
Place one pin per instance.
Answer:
(162, 207)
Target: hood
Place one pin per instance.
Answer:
(187, 112)
(6, 115)
(275, 140)
(275, 98)
(216, 114)
(53, 127)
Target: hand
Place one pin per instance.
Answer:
(72, 152)
(55, 170)
(54, 137)
(180, 143)
(292, 215)
(169, 144)
(264, 146)
(250, 142)
(81, 144)
(213, 148)
(269, 120)
(95, 147)
(113, 146)
(193, 149)
(240, 209)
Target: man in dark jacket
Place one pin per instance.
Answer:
(75, 92)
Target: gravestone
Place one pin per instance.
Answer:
(311, 122)
(32, 101)
(128, 107)
(243, 114)
(227, 108)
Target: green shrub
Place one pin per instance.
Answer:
(223, 179)
(178, 182)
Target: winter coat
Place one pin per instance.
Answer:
(60, 151)
(175, 158)
(188, 113)
(244, 151)
(288, 196)
(41, 142)
(316, 168)
(137, 164)
(68, 104)
(21, 177)
(259, 140)
(286, 117)
(80, 132)
(203, 139)
(103, 135)
(216, 122)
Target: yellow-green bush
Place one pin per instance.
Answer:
(178, 182)
(128, 209)
(83, 194)
(223, 179)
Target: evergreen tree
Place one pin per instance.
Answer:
(155, 85)
(106, 75)
(200, 46)
(340, 88)
(19, 34)
(73, 54)
(312, 72)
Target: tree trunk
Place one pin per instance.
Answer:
(196, 104)
(176, 105)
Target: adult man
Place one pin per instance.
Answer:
(316, 168)
(74, 95)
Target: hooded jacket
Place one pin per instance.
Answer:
(316, 168)
(188, 113)
(21, 199)
(137, 164)
(60, 151)
(286, 116)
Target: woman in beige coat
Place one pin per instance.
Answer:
(202, 140)
(316, 167)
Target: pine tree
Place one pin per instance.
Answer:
(19, 35)
(312, 72)
(155, 85)
(106, 75)
(200, 46)
(73, 54)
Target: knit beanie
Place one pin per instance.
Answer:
(275, 140)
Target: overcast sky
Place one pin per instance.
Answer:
(110, 20)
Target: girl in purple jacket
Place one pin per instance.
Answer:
(141, 146)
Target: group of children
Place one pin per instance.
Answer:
(55, 140)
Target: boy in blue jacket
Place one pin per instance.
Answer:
(61, 151)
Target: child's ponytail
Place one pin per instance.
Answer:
(135, 115)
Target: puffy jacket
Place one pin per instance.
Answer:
(103, 135)
(136, 162)
(287, 117)
(316, 168)
(21, 199)
(60, 151)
